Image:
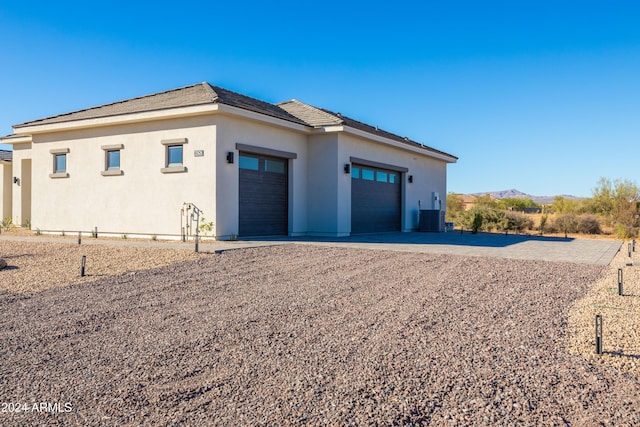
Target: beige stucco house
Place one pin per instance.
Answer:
(252, 168)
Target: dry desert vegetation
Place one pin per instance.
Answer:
(308, 335)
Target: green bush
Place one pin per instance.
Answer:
(589, 224)
(477, 222)
(567, 223)
(625, 232)
(482, 218)
(543, 223)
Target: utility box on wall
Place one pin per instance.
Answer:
(431, 220)
(436, 202)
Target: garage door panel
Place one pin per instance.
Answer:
(263, 197)
(376, 198)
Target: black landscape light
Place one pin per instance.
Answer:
(230, 157)
(598, 334)
(347, 168)
(620, 289)
(83, 264)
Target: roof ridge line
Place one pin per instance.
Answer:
(211, 91)
(327, 113)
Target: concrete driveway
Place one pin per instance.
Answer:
(588, 251)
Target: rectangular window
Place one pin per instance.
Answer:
(59, 167)
(60, 163)
(381, 176)
(174, 155)
(367, 174)
(246, 162)
(272, 165)
(113, 159)
(355, 173)
(392, 178)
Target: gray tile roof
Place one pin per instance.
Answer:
(205, 93)
(198, 94)
(318, 117)
(5, 155)
(309, 114)
(347, 121)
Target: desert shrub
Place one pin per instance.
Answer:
(476, 225)
(487, 219)
(543, 223)
(514, 221)
(625, 232)
(567, 223)
(589, 224)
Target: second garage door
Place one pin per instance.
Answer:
(264, 207)
(376, 200)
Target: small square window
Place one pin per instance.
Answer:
(60, 163)
(59, 158)
(174, 155)
(113, 159)
(392, 178)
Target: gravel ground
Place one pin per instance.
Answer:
(620, 317)
(35, 267)
(311, 335)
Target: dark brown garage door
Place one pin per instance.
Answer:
(376, 200)
(264, 209)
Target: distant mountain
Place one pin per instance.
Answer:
(516, 194)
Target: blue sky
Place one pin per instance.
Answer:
(539, 96)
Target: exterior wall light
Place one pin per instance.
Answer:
(230, 157)
(16, 180)
(410, 178)
(347, 168)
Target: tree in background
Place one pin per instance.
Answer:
(455, 205)
(564, 206)
(485, 201)
(516, 204)
(617, 202)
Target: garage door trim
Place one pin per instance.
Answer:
(253, 149)
(378, 165)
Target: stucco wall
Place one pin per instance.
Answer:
(325, 180)
(232, 130)
(142, 200)
(20, 197)
(429, 175)
(6, 183)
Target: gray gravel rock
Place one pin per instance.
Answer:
(312, 336)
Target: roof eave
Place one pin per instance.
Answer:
(424, 150)
(170, 113)
(16, 139)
